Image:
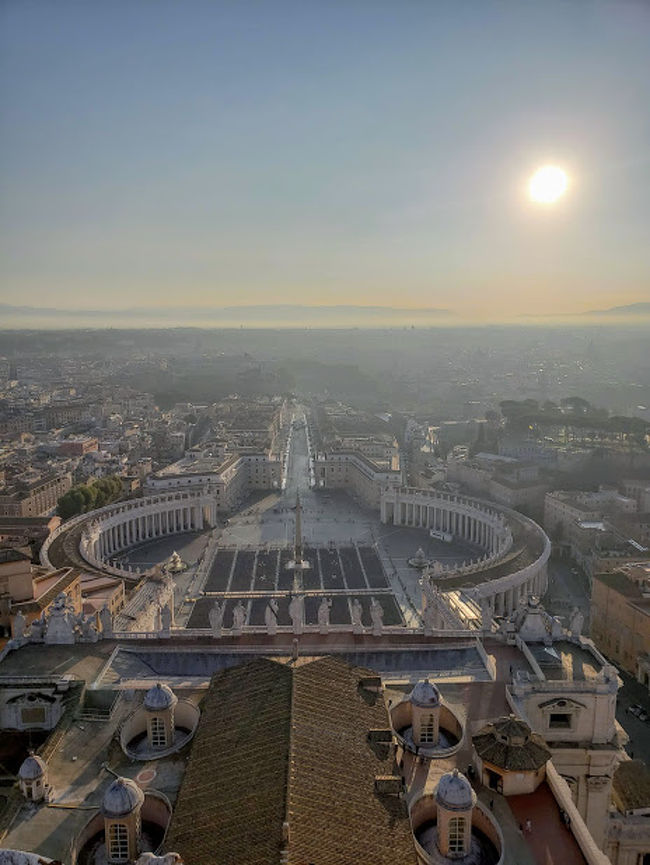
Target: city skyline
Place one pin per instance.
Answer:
(364, 155)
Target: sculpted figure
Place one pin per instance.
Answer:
(89, 629)
(297, 613)
(324, 615)
(357, 613)
(430, 618)
(106, 621)
(60, 622)
(576, 622)
(37, 630)
(271, 617)
(19, 625)
(377, 616)
(238, 617)
(486, 614)
(166, 619)
(216, 619)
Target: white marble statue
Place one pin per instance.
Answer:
(215, 617)
(576, 623)
(430, 618)
(89, 630)
(357, 613)
(297, 613)
(271, 617)
(238, 617)
(37, 630)
(486, 614)
(377, 617)
(19, 625)
(60, 622)
(166, 620)
(324, 615)
(106, 621)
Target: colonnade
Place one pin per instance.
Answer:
(116, 535)
(459, 516)
(118, 527)
(476, 522)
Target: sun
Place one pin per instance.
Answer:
(548, 184)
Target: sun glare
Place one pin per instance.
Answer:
(548, 184)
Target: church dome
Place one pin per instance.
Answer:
(159, 698)
(122, 798)
(32, 767)
(454, 792)
(425, 695)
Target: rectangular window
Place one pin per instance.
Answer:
(118, 842)
(457, 835)
(559, 721)
(158, 736)
(427, 728)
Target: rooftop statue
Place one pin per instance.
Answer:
(297, 613)
(271, 617)
(215, 617)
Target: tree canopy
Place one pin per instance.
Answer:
(86, 497)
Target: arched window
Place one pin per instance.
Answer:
(158, 733)
(118, 842)
(457, 835)
(427, 729)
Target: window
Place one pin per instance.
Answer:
(427, 729)
(559, 721)
(158, 733)
(32, 715)
(118, 842)
(457, 835)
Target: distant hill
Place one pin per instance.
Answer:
(258, 314)
(630, 309)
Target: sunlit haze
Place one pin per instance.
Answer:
(548, 184)
(211, 154)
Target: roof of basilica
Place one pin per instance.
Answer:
(281, 743)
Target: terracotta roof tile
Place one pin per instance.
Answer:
(279, 743)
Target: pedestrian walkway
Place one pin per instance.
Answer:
(550, 840)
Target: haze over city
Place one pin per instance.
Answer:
(206, 155)
(324, 432)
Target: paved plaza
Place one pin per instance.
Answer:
(352, 556)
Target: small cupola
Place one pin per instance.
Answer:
(425, 706)
(455, 801)
(159, 702)
(121, 808)
(32, 777)
(510, 757)
(160, 698)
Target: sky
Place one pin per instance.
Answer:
(192, 153)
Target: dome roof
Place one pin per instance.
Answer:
(425, 694)
(32, 767)
(509, 744)
(122, 797)
(454, 792)
(159, 697)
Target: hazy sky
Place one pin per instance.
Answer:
(324, 151)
